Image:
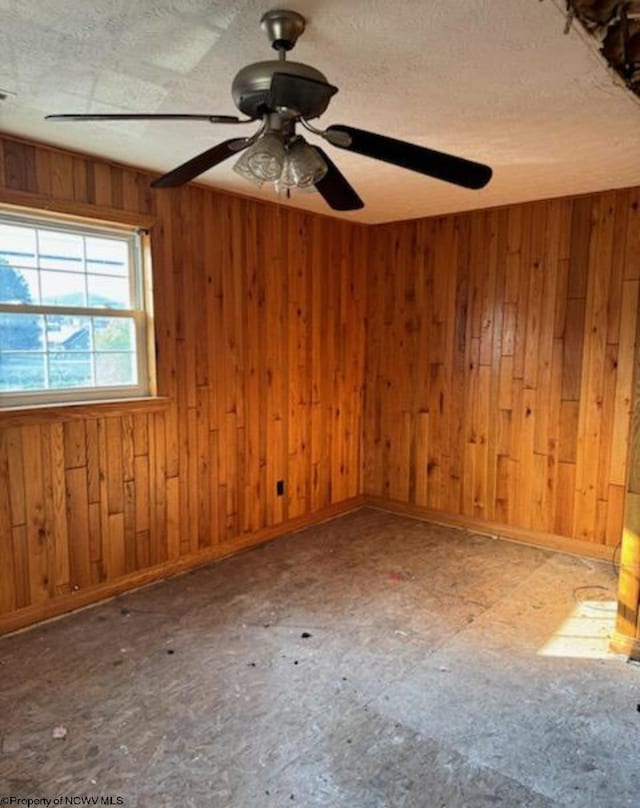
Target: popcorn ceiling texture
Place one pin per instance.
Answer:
(492, 80)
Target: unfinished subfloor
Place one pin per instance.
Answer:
(369, 661)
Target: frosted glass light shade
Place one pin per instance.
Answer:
(298, 166)
(263, 160)
(243, 168)
(303, 166)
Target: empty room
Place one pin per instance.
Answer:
(320, 403)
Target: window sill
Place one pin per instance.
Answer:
(49, 413)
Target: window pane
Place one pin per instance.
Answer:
(116, 369)
(18, 285)
(18, 245)
(22, 371)
(21, 332)
(70, 369)
(107, 257)
(53, 264)
(63, 289)
(114, 334)
(68, 333)
(112, 293)
(64, 251)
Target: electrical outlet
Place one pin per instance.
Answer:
(280, 488)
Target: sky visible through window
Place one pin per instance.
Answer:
(45, 349)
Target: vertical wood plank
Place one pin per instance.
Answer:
(529, 423)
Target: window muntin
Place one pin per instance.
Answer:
(73, 324)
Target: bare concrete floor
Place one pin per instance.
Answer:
(442, 669)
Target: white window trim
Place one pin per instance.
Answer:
(142, 313)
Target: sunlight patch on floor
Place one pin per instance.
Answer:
(586, 632)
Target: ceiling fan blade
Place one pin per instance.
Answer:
(436, 164)
(135, 116)
(334, 187)
(198, 165)
(307, 97)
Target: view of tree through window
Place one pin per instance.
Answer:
(71, 315)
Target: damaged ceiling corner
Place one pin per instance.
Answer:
(616, 26)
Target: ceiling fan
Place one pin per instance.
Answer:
(282, 95)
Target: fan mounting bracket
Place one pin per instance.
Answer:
(283, 28)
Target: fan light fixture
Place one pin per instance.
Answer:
(283, 94)
(289, 165)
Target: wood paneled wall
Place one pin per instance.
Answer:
(626, 638)
(497, 384)
(499, 363)
(260, 322)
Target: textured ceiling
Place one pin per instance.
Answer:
(491, 80)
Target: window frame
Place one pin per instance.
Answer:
(141, 312)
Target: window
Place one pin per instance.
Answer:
(73, 324)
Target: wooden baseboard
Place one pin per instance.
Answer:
(28, 616)
(536, 538)
(629, 646)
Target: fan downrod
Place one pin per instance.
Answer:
(283, 28)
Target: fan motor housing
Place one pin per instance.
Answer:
(251, 87)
